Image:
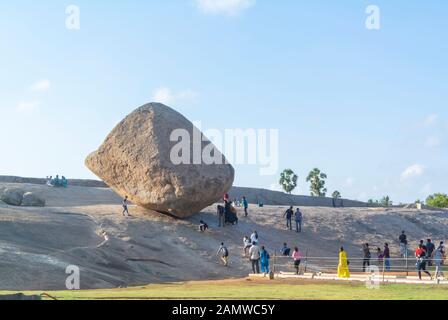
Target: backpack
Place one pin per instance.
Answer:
(225, 252)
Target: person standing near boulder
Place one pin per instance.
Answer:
(245, 206)
(125, 204)
(223, 254)
(254, 254)
(288, 215)
(299, 218)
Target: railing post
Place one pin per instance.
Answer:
(275, 261)
(407, 268)
(384, 266)
(306, 261)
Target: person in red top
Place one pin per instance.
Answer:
(422, 259)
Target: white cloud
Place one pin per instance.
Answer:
(167, 96)
(41, 86)
(28, 106)
(350, 181)
(413, 171)
(432, 142)
(226, 7)
(431, 119)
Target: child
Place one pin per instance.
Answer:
(203, 226)
(247, 244)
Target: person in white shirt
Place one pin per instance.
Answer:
(254, 237)
(247, 244)
(254, 254)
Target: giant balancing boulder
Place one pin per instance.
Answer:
(145, 158)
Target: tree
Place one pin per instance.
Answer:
(288, 180)
(317, 180)
(386, 202)
(336, 195)
(438, 200)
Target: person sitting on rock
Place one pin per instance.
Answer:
(64, 182)
(203, 226)
(57, 181)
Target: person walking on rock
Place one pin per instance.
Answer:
(254, 254)
(245, 206)
(223, 254)
(386, 254)
(125, 204)
(299, 217)
(288, 214)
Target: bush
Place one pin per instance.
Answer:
(438, 200)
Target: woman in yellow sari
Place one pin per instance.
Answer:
(343, 271)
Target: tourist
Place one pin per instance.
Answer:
(285, 250)
(430, 247)
(57, 181)
(421, 255)
(125, 204)
(297, 258)
(366, 257)
(254, 237)
(403, 245)
(226, 197)
(203, 226)
(288, 214)
(380, 256)
(386, 254)
(299, 217)
(439, 256)
(64, 182)
(343, 271)
(264, 260)
(223, 254)
(254, 254)
(247, 244)
(246, 206)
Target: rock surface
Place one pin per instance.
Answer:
(12, 196)
(32, 200)
(135, 161)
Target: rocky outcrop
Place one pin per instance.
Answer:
(140, 159)
(31, 200)
(12, 196)
(18, 197)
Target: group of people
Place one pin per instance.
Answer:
(298, 218)
(426, 254)
(229, 212)
(57, 182)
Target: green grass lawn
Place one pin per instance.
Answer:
(244, 289)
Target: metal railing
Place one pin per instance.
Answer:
(391, 266)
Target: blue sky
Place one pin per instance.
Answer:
(368, 107)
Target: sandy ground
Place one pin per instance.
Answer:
(83, 226)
